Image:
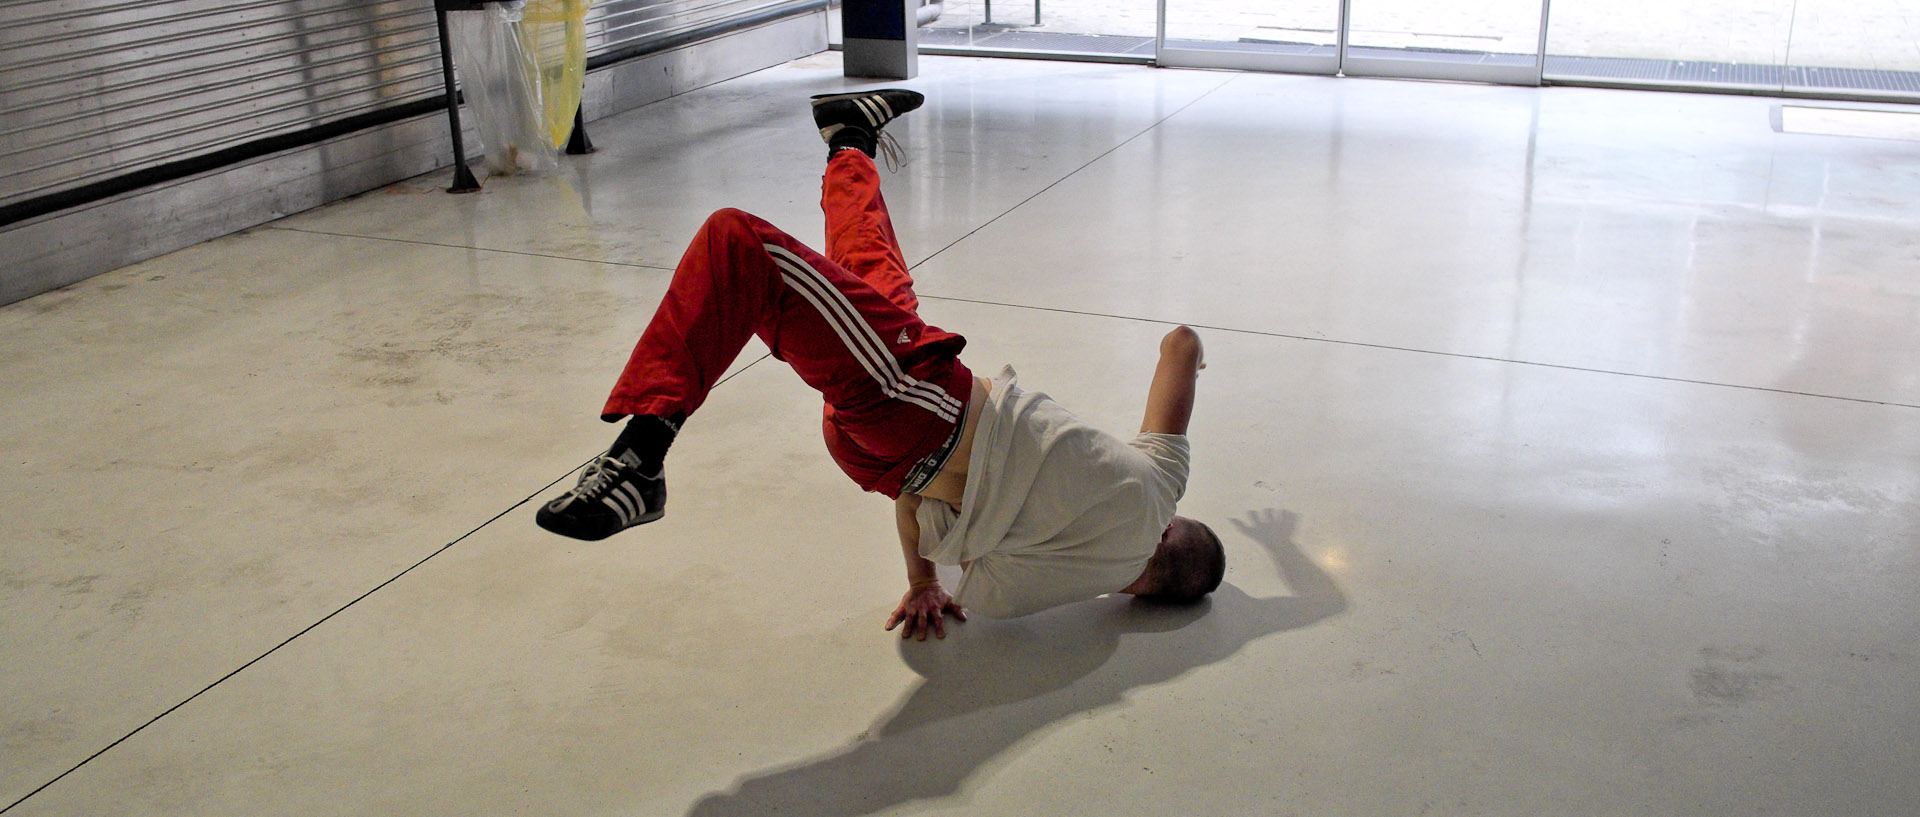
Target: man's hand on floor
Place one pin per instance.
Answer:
(925, 609)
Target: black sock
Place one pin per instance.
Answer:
(647, 436)
(849, 136)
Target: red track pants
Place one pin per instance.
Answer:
(894, 386)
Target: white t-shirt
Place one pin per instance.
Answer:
(1055, 510)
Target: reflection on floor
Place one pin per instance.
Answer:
(1565, 444)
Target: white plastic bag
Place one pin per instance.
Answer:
(502, 86)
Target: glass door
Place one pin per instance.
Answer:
(1295, 36)
(1858, 48)
(1473, 40)
(1734, 45)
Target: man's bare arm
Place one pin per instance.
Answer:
(1170, 399)
(926, 603)
(919, 569)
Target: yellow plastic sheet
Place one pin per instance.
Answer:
(554, 34)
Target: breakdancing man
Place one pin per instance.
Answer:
(1037, 507)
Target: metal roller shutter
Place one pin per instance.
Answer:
(98, 90)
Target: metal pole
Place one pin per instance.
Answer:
(1340, 38)
(578, 144)
(463, 180)
(1159, 30)
(1540, 54)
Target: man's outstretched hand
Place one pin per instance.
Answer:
(924, 609)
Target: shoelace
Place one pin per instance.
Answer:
(599, 478)
(891, 151)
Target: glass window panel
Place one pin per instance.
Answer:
(1310, 23)
(1855, 46)
(1092, 27)
(1670, 42)
(1447, 26)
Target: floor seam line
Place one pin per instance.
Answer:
(328, 617)
(256, 659)
(1433, 352)
(1072, 173)
(465, 247)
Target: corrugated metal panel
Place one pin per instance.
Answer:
(620, 25)
(97, 89)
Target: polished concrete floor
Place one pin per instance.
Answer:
(1565, 444)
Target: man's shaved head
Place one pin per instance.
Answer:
(1188, 564)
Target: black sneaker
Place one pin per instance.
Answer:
(612, 496)
(857, 119)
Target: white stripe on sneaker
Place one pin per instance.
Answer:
(619, 508)
(866, 107)
(860, 338)
(631, 491)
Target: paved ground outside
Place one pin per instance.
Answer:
(1868, 34)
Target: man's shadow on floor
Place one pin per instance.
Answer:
(991, 684)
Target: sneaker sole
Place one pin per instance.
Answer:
(644, 519)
